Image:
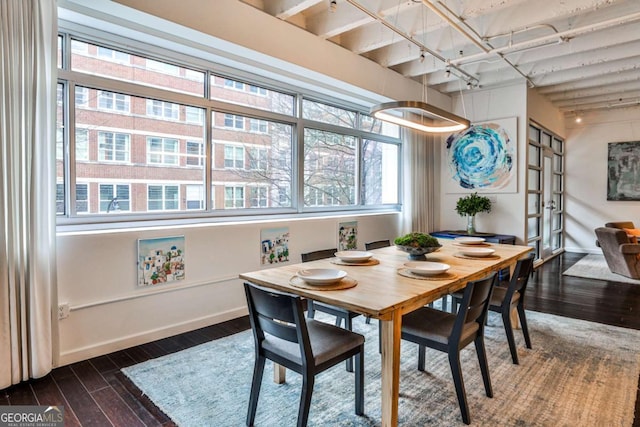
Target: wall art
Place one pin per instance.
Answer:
(623, 171)
(482, 158)
(160, 260)
(274, 245)
(348, 236)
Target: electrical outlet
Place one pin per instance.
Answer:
(63, 311)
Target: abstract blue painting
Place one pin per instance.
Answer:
(482, 158)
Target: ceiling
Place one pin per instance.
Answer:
(582, 55)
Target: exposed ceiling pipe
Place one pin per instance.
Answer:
(468, 36)
(424, 49)
(545, 39)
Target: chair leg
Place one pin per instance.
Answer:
(456, 371)
(484, 366)
(359, 376)
(523, 323)
(421, 357)
(348, 325)
(368, 320)
(305, 399)
(258, 370)
(508, 329)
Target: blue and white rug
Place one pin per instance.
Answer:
(577, 374)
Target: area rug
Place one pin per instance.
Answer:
(594, 266)
(577, 374)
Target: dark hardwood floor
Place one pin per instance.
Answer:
(95, 393)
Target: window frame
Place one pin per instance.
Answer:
(120, 101)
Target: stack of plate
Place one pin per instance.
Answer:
(354, 256)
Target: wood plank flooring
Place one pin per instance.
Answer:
(94, 393)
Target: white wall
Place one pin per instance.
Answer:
(507, 209)
(97, 277)
(586, 175)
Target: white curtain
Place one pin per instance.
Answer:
(419, 187)
(28, 47)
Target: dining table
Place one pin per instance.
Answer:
(385, 289)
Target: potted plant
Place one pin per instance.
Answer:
(417, 244)
(471, 205)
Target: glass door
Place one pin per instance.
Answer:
(548, 204)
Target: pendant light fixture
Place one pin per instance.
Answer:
(420, 116)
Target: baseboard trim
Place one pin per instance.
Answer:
(107, 347)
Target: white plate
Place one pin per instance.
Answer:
(477, 252)
(353, 256)
(469, 240)
(426, 268)
(321, 276)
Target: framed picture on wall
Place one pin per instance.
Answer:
(274, 245)
(348, 236)
(623, 171)
(482, 158)
(160, 260)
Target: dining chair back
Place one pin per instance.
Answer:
(342, 314)
(377, 244)
(505, 299)
(450, 333)
(308, 347)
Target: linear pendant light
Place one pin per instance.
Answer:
(424, 117)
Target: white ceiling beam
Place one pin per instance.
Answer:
(627, 86)
(285, 9)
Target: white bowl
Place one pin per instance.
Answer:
(426, 268)
(477, 252)
(469, 240)
(353, 256)
(321, 276)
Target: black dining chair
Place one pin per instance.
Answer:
(450, 333)
(341, 314)
(307, 347)
(377, 244)
(508, 296)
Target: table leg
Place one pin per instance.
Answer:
(279, 374)
(390, 370)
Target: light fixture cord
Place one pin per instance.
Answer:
(464, 108)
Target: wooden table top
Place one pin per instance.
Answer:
(381, 290)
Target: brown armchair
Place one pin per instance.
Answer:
(620, 254)
(620, 224)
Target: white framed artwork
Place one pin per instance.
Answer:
(482, 158)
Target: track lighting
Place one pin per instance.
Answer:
(333, 6)
(468, 85)
(447, 72)
(421, 56)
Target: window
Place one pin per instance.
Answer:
(113, 147)
(82, 144)
(82, 96)
(194, 115)
(258, 126)
(333, 184)
(195, 153)
(163, 67)
(236, 92)
(258, 158)
(233, 197)
(112, 55)
(82, 198)
(113, 101)
(163, 197)
(166, 110)
(114, 198)
(233, 121)
(258, 197)
(162, 151)
(195, 197)
(142, 147)
(233, 157)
